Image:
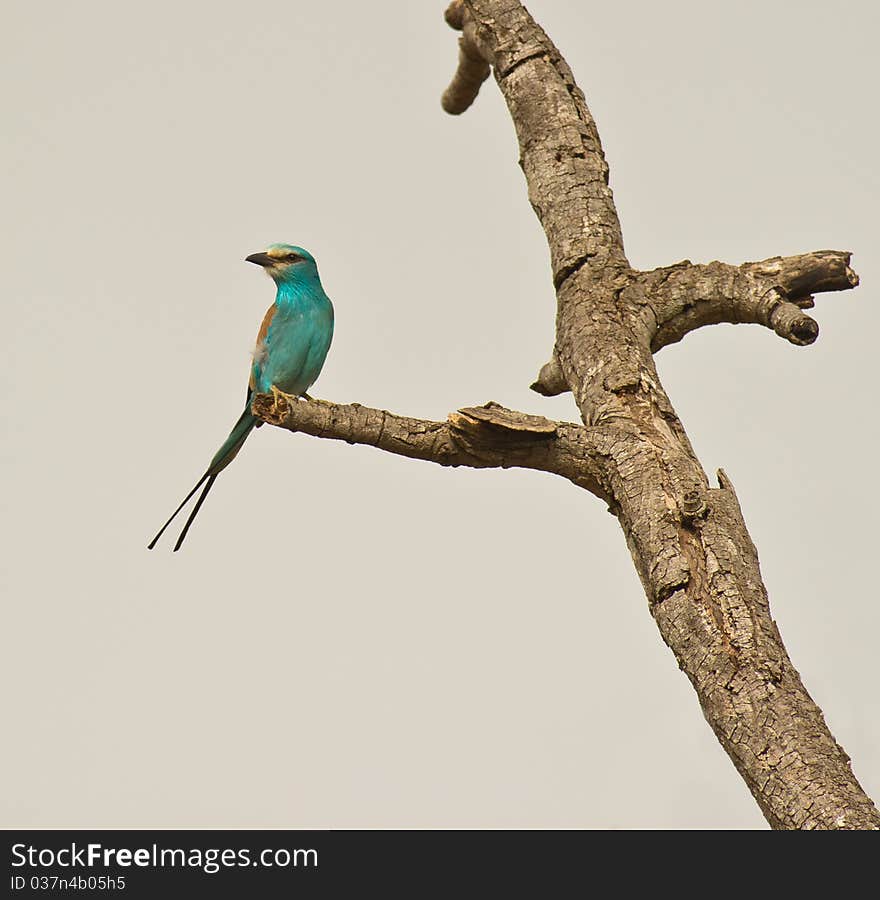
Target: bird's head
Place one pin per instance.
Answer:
(285, 263)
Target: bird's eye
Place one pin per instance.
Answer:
(292, 257)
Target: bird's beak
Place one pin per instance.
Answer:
(261, 259)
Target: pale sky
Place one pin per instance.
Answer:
(349, 638)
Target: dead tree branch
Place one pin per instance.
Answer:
(482, 437)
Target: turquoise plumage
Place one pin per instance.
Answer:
(291, 347)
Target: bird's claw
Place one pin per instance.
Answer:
(279, 402)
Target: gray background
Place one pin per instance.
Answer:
(350, 638)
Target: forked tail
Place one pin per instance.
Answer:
(221, 460)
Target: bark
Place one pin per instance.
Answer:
(687, 538)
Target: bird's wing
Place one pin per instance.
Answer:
(260, 348)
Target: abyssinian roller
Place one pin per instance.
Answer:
(291, 347)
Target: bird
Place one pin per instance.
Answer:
(291, 347)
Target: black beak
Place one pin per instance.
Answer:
(261, 259)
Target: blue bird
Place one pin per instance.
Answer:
(291, 347)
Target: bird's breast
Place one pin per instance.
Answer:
(293, 350)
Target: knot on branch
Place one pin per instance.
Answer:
(694, 506)
(550, 380)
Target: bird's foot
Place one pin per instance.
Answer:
(280, 406)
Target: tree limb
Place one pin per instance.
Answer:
(773, 293)
(482, 437)
(472, 69)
